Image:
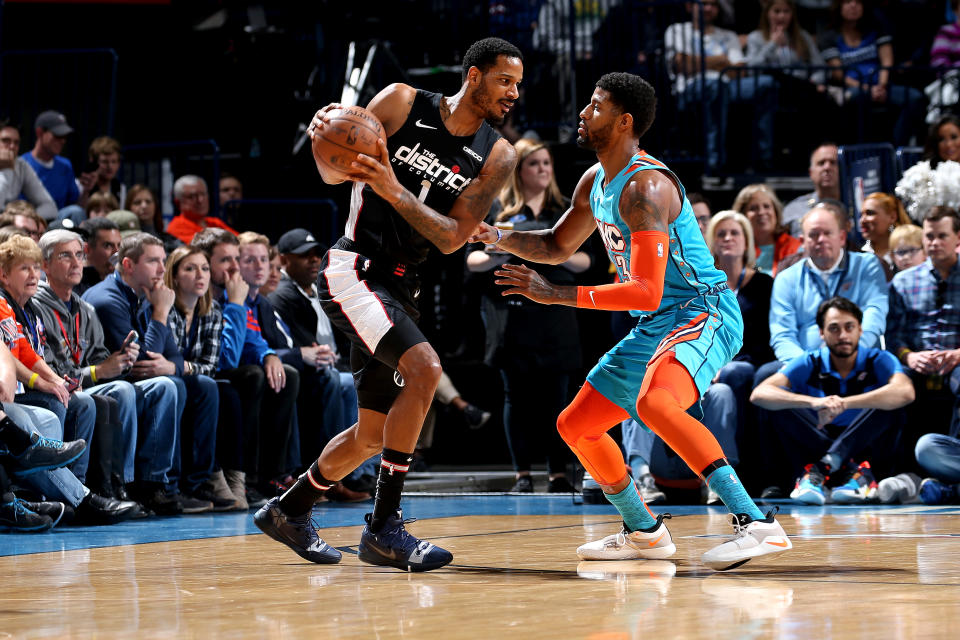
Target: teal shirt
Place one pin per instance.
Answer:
(690, 265)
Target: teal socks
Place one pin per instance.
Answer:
(635, 514)
(726, 484)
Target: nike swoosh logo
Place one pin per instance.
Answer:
(594, 302)
(654, 543)
(778, 544)
(423, 126)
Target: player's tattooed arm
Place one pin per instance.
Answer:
(649, 202)
(550, 246)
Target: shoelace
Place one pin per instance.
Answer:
(20, 508)
(305, 523)
(48, 442)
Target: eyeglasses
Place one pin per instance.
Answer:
(67, 256)
(904, 252)
(194, 196)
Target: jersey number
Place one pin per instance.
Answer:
(423, 191)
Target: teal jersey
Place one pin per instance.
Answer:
(690, 266)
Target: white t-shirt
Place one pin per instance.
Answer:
(684, 38)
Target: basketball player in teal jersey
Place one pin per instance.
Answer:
(689, 325)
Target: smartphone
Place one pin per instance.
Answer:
(133, 337)
(72, 384)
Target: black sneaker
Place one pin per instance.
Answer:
(297, 533)
(393, 546)
(44, 454)
(53, 510)
(475, 416)
(255, 499)
(17, 517)
(194, 504)
(159, 501)
(524, 484)
(560, 484)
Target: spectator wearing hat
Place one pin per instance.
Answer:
(55, 171)
(17, 176)
(103, 240)
(332, 391)
(193, 200)
(127, 222)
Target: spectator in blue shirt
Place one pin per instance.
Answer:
(120, 307)
(923, 328)
(265, 387)
(827, 271)
(830, 407)
(55, 171)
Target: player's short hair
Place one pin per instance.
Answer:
(483, 54)
(633, 95)
(133, 246)
(840, 304)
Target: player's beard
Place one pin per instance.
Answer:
(595, 140)
(842, 350)
(489, 106)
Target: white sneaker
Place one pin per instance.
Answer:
(654, 544)
(903, 488)
(750, 540)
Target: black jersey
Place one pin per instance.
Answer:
(433, 165)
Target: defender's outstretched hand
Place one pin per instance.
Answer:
(524, 281)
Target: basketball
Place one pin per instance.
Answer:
(347, 132)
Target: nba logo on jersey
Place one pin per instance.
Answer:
(659, 249)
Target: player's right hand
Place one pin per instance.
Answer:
(485, 233)
(319, 118)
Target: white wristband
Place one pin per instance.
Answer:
(499, 234)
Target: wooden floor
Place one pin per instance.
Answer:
(863, 575)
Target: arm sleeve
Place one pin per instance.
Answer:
(644, 289)
(784, 336)
(874, 302)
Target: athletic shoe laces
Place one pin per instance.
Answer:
(47, 442)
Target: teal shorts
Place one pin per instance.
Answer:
(704, 334)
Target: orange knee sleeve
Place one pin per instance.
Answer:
(668, 391)
(583, 426)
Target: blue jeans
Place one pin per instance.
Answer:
(78, 419)
(59, 485)
(719, 416)
(158, 429)
(939, 455)
(126, 396)
(195, 453)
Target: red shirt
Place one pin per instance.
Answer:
(12, 335)
(184, 228)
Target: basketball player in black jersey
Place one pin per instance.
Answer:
(439, 170)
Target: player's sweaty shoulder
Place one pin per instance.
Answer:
(393, 105)
(650, 201)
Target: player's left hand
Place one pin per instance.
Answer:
(524, 281)
(485, 233)
(377, 173)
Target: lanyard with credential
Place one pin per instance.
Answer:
(74, 348)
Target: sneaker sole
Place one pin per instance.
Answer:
(266, 526)
(810, 498)
(733, 563)
(19, 473)
(371, 557)
(658, 553)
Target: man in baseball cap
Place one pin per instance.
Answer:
(297, 241)
(55, 171)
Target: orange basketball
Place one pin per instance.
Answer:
(347, 132)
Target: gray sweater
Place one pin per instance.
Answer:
(58, 355)
(23, 179)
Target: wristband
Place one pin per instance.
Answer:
(93, 372)
(499, 234)
(33, 380)
(902, 354)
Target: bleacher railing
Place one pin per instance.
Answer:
(159, 164)
(80, 83)
(275, 216)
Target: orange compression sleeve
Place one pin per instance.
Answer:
(642, 292)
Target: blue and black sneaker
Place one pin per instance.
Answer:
(15, 516)
(932, 491)
(392, 546)
(295, 532)
(44, 454)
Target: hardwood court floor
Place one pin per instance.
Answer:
(854, 573)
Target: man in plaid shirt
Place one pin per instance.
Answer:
(923, 325)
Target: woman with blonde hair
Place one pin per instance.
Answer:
(760, 204)
(880, 214)
(535, 347)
